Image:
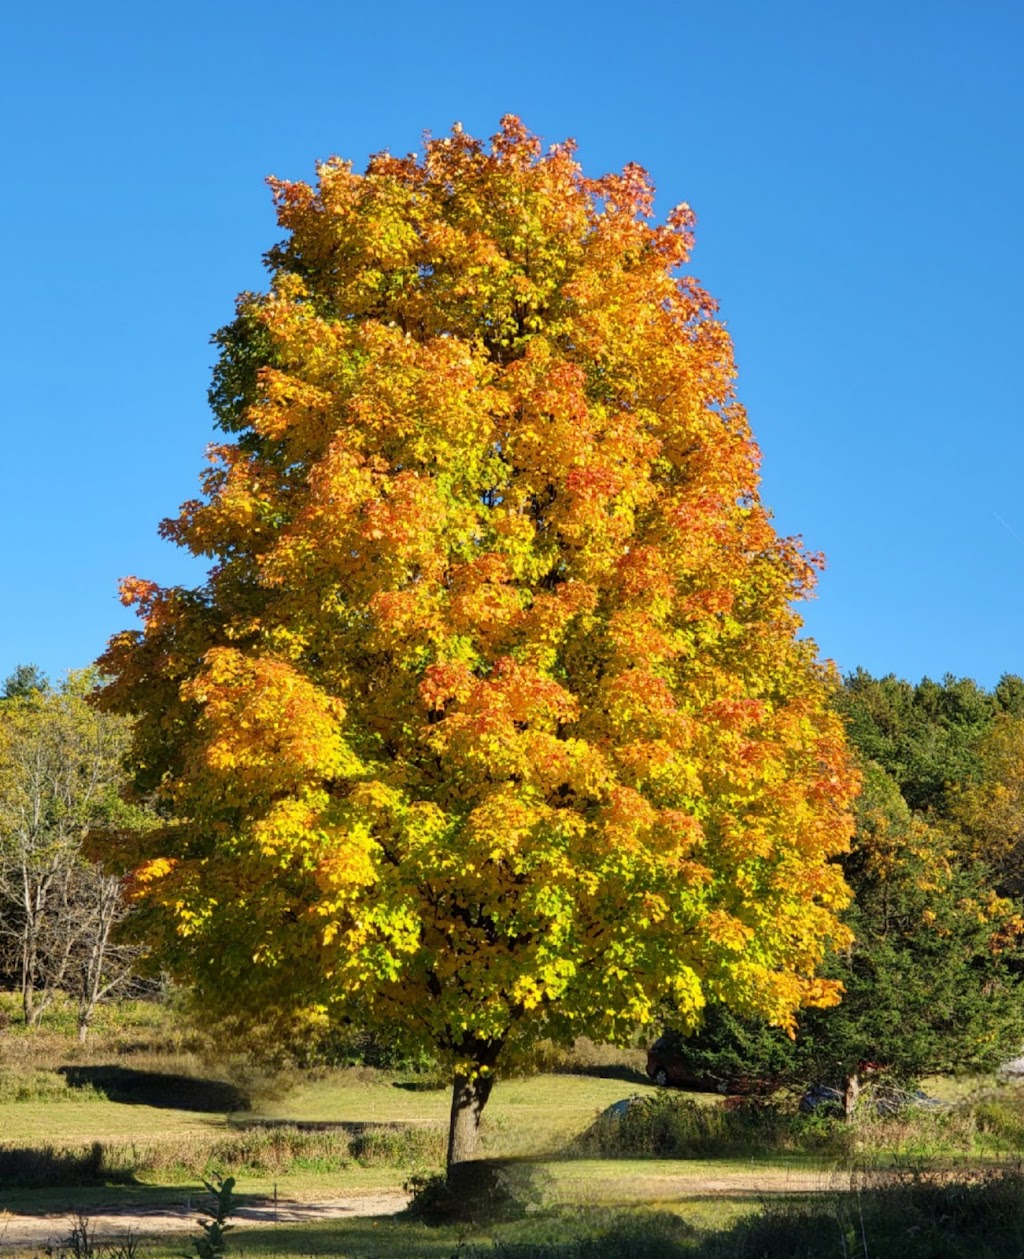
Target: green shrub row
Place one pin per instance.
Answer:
(669, 1126)
(253, 1151)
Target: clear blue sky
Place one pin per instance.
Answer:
(858, 177)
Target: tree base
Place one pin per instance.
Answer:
(478, 1191)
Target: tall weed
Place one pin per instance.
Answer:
(1000, 1120)
(48, 1165)
(257, 1150)
(20, 1085)
(609, 1235)
(912, 1213)
(670, 1126)
(667, 1126)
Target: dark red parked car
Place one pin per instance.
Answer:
(666, 1064)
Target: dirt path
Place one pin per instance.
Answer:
(20, 1231)
(670, 1186)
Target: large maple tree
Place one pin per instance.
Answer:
(491, 721)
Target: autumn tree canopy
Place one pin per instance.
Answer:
(491, 721)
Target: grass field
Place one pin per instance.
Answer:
(131, 1122)
(534, 1116)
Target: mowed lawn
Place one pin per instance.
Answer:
(83, 1122)
(534, 1116)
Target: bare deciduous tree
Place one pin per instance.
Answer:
(60, 773)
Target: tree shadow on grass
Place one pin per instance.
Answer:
(154, 1088)
(139, 1205)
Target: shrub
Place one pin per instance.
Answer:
(43, 1086)
(52, 1166)
(913, 1213)
(398, 1146)
(477, 1191)
(1002, 1119)
(668, 1126)
(266, 1150)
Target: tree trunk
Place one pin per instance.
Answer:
(851, 1091)
(28, 988)
(469, 1097)
(28, 1003)
(102, 916)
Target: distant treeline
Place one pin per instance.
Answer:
(933, 977)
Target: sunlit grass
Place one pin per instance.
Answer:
(538, 1115)
(303, 1136)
